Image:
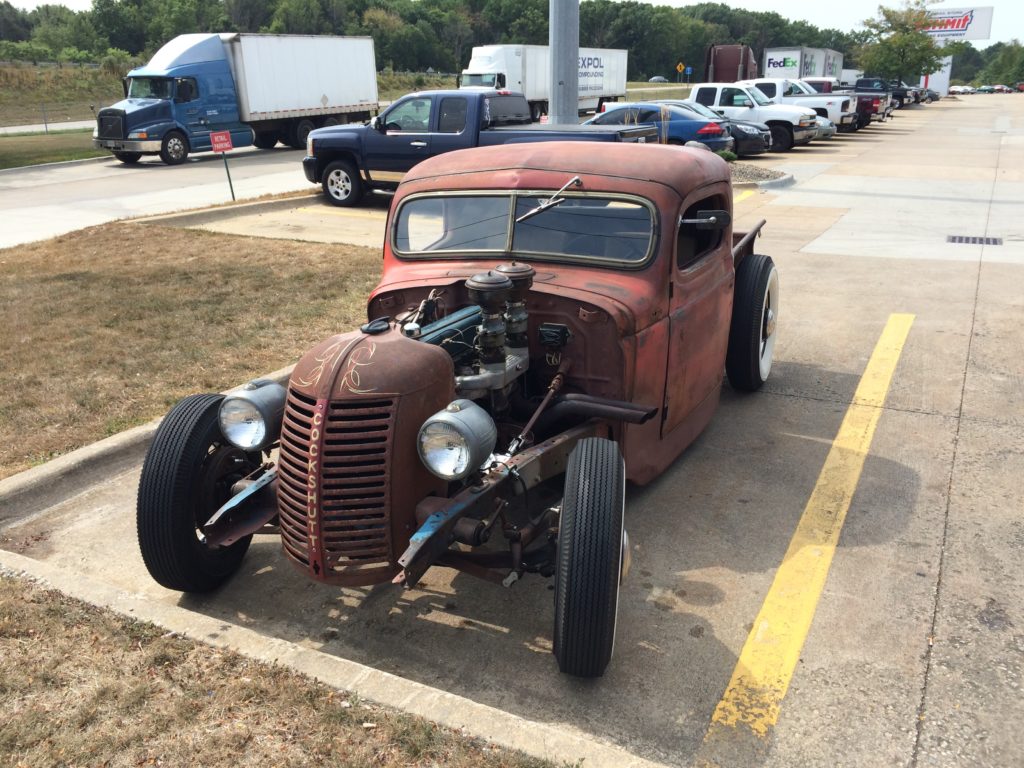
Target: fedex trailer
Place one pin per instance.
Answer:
(796, 62)
(527, 69)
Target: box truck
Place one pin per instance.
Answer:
(527, 69)
(796, 62)
(261, 88)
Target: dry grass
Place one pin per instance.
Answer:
(106, 328)
(20, 151)
(28, 93)
(81, 686)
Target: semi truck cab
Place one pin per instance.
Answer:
(173, 103)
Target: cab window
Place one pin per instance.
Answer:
(412, 115)
(768, 89)
(185, 89)
(734, 97)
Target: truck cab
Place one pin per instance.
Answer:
(173, 103)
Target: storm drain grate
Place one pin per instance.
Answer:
(974, 240)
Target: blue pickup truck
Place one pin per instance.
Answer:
(349, 160)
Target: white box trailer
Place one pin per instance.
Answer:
(283, 76)
(796, 62)
(527, 69)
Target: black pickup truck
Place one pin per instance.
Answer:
(899, 92)
(349, 160)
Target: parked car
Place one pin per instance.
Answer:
(657, 79)
(962, 90)
(840, 108)
(749, 138)
(928, 95)
(1002, 89)
(551, 321)
(673, 125)
(986, 89)
(826, 128)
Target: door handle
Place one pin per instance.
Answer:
(417, 143)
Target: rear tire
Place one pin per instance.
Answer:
(755, 313)
(782, 138)
(341, 184)
(265, 139)
(187, 475)
(589, 567)
(174, 148)
(297, 138)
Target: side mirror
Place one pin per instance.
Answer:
(376, 123)
(709, 220)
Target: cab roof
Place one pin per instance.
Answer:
(606, 166)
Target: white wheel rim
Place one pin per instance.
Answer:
(769, 324)
(340, 185)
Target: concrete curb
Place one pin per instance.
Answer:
(206, 215)
(536, 739)
(42, 487)
(785, 181)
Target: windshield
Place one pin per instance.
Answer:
(484, 81)
(149, 88)
(612, 230)
(804, 87)
(759, 98)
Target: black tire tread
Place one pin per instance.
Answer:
(742, 360)
(165, 524)
(590, 542)
(357, 183)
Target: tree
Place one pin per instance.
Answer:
(1007, 67)
(898, 48)
(14, 23)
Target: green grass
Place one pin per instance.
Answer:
(19, 150)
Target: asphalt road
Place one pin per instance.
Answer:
(885, 462)
(49, 200)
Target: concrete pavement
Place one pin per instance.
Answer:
(914, 656)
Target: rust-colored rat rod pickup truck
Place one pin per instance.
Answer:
(553, 320)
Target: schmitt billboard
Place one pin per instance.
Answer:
(960, 23)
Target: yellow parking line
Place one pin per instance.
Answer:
(742, 196)
(343, 212)
(765, 666)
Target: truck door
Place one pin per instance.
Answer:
(403, 139)
(192, 112)
(700, 310)
(730, 101)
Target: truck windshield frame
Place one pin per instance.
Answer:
(482, 80)
(603, 229)
(150, 88)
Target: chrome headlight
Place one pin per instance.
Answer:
(250, 418)
(457, 441)
(748, 129)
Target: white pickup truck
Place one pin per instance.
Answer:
(790, 126)
(838, 108)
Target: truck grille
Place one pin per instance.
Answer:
(111, 126)
(352, 531)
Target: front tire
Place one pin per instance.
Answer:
(755, 314)
(174, 148)
(341, 184)
(128, 158)
(187, 475)
(782, 138)
(590, 552)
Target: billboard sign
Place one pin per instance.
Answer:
(960, 23)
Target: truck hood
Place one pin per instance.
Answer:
(141, 111)
(786, 112)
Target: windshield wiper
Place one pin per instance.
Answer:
(551, 202)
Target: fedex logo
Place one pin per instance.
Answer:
(784, 62)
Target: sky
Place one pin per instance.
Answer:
(846, 16)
